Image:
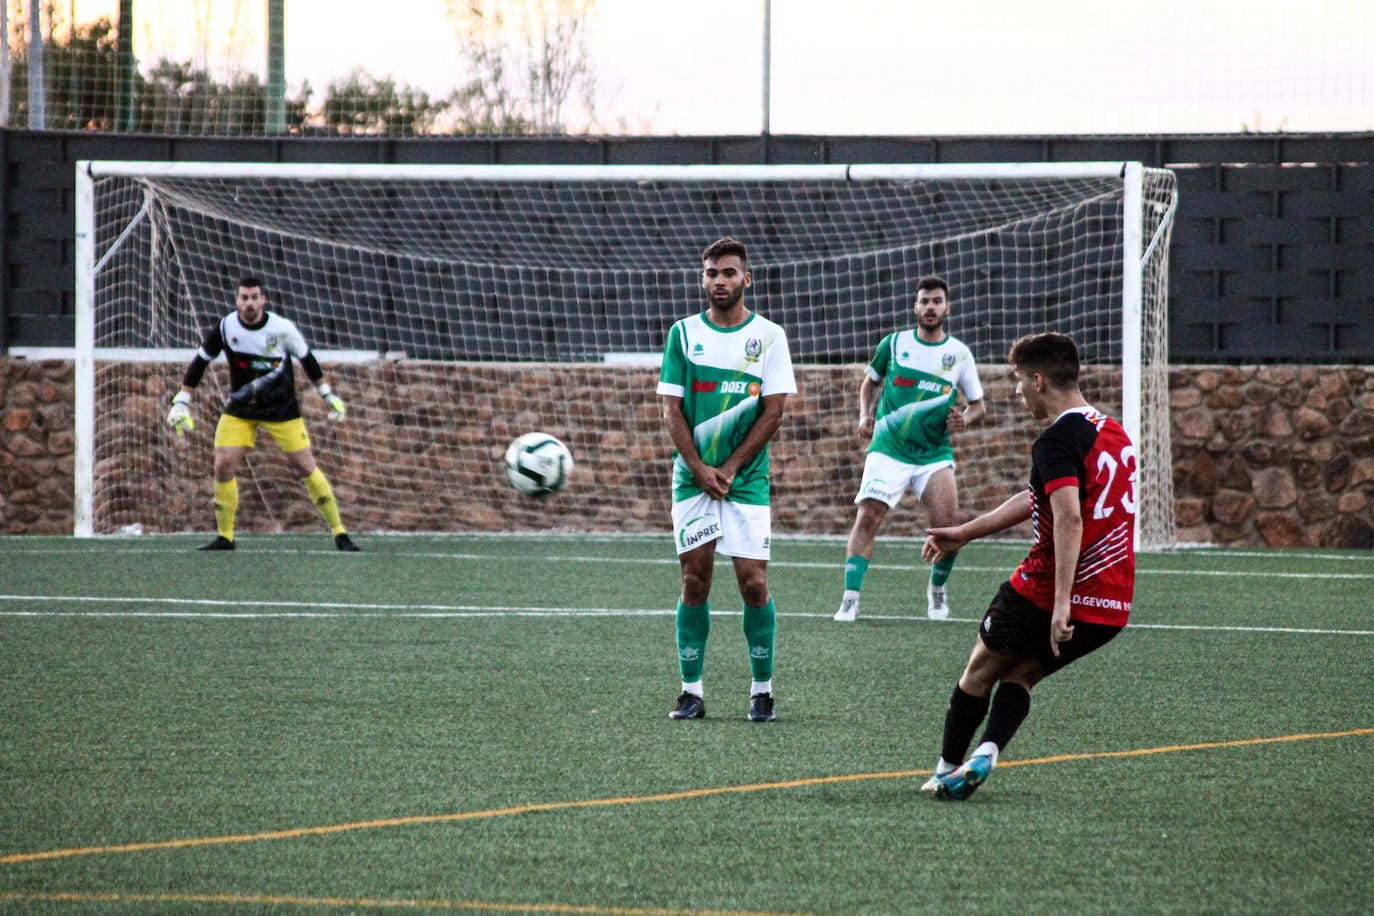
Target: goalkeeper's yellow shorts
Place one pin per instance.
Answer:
(290, 435)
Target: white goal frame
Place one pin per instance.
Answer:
(1135, 253)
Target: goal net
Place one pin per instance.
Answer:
(455, 308)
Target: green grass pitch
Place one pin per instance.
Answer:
(479, 724)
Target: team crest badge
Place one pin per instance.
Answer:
(947, 361)
(753, 348)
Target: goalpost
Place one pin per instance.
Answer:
(456, 307)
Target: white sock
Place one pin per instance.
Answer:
(848, 594)
(694, 689)
(943, 767)
(758, 687)
(987, 749)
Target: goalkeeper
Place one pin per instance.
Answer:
(259, 345)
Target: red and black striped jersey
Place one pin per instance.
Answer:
(1089, 450)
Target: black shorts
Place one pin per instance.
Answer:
(1014, 626)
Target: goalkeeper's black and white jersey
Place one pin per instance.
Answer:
(263, 352)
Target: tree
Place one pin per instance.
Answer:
(362, 104)
(174, 97)
(528, 61)
(80, 78)
(179, 98)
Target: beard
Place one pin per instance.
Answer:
(730, 301)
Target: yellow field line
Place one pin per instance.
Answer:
(295, 833)
(371, 903)
(1176, 748)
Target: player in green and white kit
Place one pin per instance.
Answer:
(908, 405)
(725, 379)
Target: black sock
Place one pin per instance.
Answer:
(1010, 706)
(961, 721)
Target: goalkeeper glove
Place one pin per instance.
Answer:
(180, 414)
(337, 410)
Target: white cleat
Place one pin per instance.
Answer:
(937, 608)
(930, 784)
(849, 609)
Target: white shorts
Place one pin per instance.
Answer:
(743, 531)
(886, 478)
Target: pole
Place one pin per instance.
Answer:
(1132, 299)
(767, 62)
(124, 52)
(38, 119)
(83, 423)
(4, 64)
(72, 116)
(276, 66)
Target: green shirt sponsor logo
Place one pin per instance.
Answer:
(722, 374)
(920, 383)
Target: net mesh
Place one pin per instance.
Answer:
(454, 315)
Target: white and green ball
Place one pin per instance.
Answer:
(538, 464)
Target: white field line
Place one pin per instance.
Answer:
(349, 611)
(49, 544)
(776, 564)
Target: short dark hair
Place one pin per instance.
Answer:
(930, 281)
(249, 282)
(725, 247)
(1054, 356)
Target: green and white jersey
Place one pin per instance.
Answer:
(919, 387)
(721, 374)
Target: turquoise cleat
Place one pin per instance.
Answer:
(960, 784)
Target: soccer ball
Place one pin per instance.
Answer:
(537, 464)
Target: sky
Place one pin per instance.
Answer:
(861, 67)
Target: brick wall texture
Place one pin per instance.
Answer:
(1269, 455)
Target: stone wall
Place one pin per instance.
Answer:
(36, 447)
(1275, 455)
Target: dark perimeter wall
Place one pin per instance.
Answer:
(1272, 256)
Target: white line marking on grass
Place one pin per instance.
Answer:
(107, 546)
(892, 567)
(1262, 574)
(902, 567)
(971, 567)
(341, 610)
(1212, 628)
(345, 611)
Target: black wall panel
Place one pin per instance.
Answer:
(1272, 256)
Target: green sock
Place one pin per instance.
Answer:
(939, 575)
(693, 625)
(855, 568)
(760, 631)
